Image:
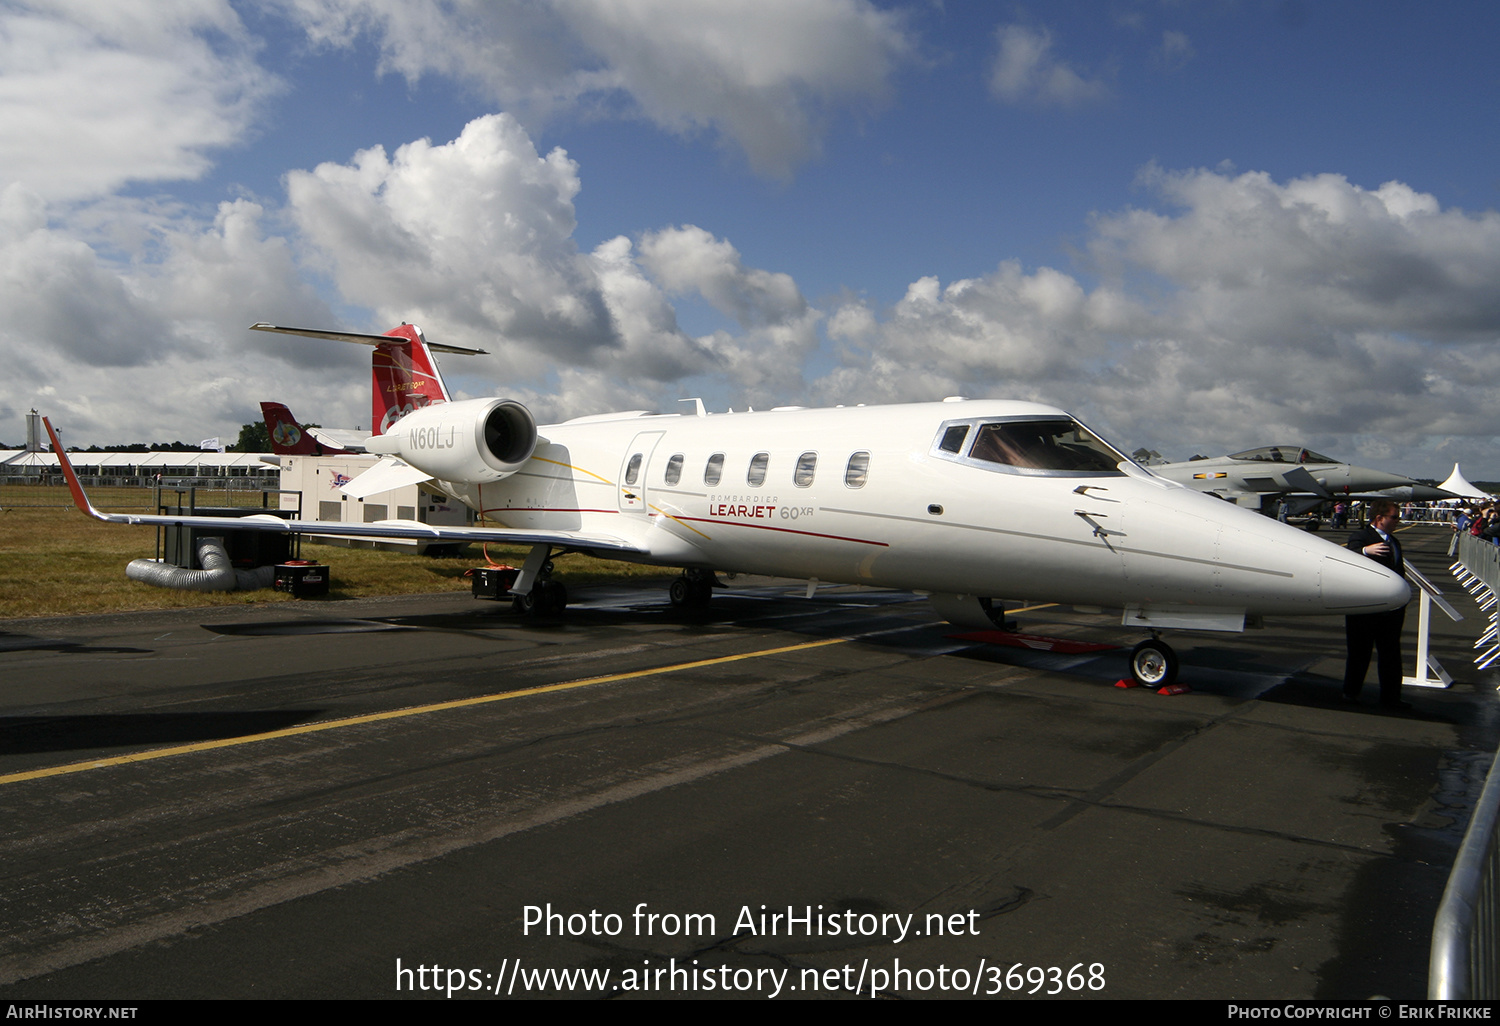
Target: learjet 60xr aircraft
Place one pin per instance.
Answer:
(964, 500)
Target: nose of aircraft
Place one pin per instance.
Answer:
(1363, 479)
(1354, 584)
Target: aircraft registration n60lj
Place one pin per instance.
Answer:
(966, 500)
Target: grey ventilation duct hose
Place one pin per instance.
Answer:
(218, 574)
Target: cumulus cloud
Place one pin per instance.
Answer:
(93, 96)
(1033, 333)
(1335, 255)
(473, 239)
(766, 360)
(764, 75)
(1240, 311)
(1025, 71)
(149, 342)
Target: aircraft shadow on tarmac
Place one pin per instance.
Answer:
(22, 642)
(33, 735)
(831, 612)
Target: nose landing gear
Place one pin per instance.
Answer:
(1153, 664)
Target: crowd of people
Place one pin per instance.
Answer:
(1481, 521)
(1344, 513)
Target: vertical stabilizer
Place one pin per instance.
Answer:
(288, 438)
(404, 377)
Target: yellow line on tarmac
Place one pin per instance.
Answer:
(396, 714)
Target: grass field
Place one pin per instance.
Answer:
(55, 561)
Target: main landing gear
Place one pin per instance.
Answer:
(546, 597)
(693, 589)
(1153, 664)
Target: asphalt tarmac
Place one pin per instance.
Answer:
(784, 796)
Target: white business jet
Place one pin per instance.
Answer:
(965, 500)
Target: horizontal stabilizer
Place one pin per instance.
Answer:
(361, 338)
(388, 474)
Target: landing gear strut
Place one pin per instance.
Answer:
(693, 589)
(546, 597)
(1153, 664)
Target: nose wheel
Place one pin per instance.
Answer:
(1153, 664)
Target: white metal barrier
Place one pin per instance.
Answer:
(1465, 959)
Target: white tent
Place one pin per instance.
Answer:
(1459, 485)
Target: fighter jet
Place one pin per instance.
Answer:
(1251, 477)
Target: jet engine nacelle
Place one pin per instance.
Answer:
(475, 441)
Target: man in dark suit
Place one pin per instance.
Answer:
(1380, 631)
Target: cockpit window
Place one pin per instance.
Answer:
(1282, 454)
(953, 438)
(1049, 445)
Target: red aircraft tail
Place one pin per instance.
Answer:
(288, 438)
(403, 374)
(404, 377)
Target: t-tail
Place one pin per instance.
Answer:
(288, 438)
(404, 376)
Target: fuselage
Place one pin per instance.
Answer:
(971, 497)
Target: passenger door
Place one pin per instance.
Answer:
(633, 469)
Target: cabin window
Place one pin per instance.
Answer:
(633, 469)
(714, 469)
(757, 475)
(1055, 444)
(674, 470)
(857, 471)
(807, 465)
(953, 438)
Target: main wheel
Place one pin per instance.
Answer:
(546, 598)
(1153, 664)
(691, 592)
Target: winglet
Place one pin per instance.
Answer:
(74, 485)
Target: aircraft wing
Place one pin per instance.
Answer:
(394, 529)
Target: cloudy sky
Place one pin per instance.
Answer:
(1202, 225)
